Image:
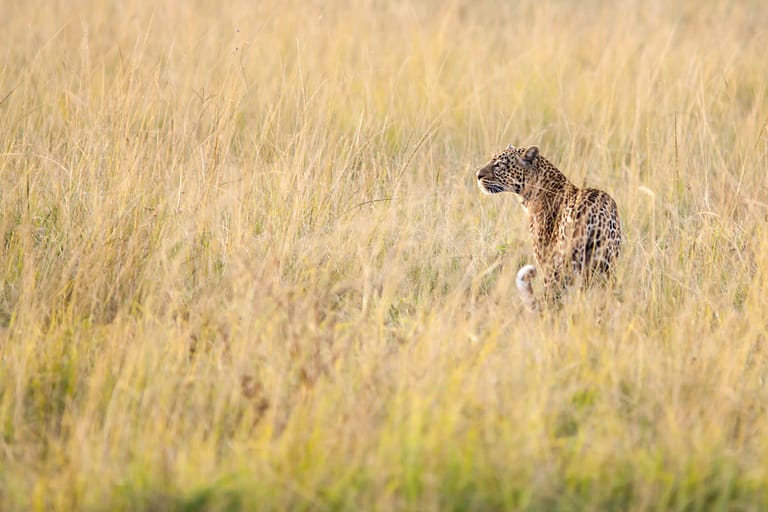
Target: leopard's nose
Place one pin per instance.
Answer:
(482, 173)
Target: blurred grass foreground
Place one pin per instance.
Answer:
(245, 265)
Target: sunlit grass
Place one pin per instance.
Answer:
(245, 264)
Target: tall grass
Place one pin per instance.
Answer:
(245, 264)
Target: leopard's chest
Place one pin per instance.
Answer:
(550, 232)
(565, 223)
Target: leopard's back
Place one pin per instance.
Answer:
(590, 237)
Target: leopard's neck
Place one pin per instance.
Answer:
(547, 192)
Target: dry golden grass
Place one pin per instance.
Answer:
(245, 264)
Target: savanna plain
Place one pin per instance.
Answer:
(244, 263)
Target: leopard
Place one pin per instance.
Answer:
(576, 232)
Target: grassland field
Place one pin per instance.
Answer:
(244, 264)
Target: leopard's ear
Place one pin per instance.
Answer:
(510, 147)
(530, 154)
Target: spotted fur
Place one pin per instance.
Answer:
(576, 232)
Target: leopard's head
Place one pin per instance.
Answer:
(509, 170)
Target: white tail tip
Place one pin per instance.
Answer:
(524, 288)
